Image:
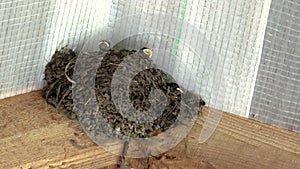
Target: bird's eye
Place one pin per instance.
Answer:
(148, 52)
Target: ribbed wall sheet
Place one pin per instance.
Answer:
(211, 47)
(30, 32)
(276, 97)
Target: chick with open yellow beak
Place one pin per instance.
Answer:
(147, 51)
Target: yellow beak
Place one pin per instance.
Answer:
(148, 52)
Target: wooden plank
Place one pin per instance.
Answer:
(236, 143)
(34, 135)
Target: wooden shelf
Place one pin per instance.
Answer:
(35, 135)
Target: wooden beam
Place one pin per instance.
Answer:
(35, 135)
(236, 143)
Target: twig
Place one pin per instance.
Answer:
(66, 70)
(57, 93)
(50, 88)
(63, 97)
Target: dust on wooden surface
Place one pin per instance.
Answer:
(171, 161)
(167, 161)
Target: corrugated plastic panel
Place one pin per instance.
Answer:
(276, 97)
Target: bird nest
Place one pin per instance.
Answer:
(60, 84)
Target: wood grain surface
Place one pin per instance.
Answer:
(35, 135)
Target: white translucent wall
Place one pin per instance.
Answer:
(217, 54)
(30, 32)
(217, 57)
(276, 98)
(225, 70)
